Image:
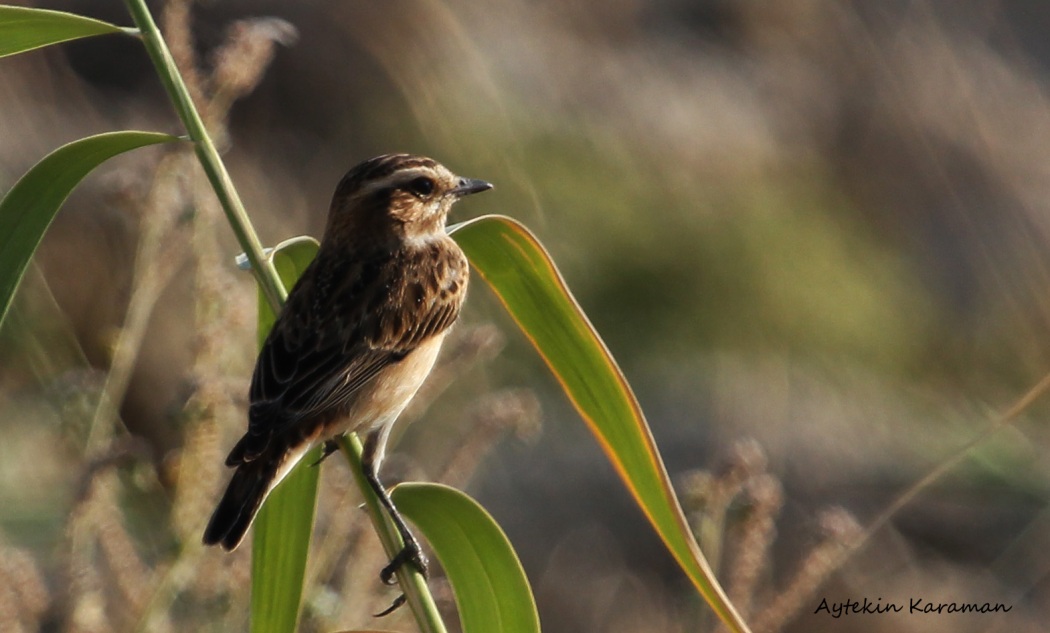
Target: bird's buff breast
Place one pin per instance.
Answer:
(380, 402)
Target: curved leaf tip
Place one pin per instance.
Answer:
(27, 210)
(24, 29)
(523, 276)
(491, 590)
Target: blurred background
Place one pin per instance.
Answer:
(814, 234)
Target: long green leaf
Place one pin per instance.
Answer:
(24, 29)
(283, 529)
(525, 279)
(30, 206)
(490, 586)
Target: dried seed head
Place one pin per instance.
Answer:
(241, 61)
(24, 596)
(766, 493)
(745, 459)
(838, 525)
(697, 488)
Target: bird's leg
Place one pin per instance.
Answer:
(411, 552)
(329, 447)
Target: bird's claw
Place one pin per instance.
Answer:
(411, 554)
(394, 606)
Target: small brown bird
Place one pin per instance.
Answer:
(357, 336)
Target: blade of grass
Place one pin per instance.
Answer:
(510, 259)
(32, 203)
(280, 546)
(282, 532)
(24, 29)
(492, 592)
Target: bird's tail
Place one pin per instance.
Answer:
(251, 483)
(259, 470)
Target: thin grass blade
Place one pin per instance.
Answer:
(491, 590)
(24, 29)
(516, 266)
(282, 532)
(27, 210)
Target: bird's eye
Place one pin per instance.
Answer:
(421, 186)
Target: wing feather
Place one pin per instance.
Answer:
(320, 354)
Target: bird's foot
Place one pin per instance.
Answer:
(329, 447)
(411, 554)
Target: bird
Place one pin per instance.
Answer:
(356, 337)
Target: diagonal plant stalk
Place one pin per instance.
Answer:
(1000, 422)
(412, 584)
(206, 152)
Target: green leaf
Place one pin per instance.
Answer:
(284, 527)
(30, 206)
(507, 256)
(492, 592)
(24, 29)
(290, 257)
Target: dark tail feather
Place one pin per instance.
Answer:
(235, 513)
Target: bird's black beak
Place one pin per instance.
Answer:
(468, 186)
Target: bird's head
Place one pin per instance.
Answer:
(397, 197)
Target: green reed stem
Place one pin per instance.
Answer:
(207, 154)
(412, 582)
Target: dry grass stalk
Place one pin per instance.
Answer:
(744, 479)
(840, 531)
(708, 496)
(158, 256)
(752, 550)
(129, 579)
(494, 415)
(175, 25)
(84, 605)
(240, 63)
(24, 597)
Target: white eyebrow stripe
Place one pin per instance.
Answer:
(399, 176)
